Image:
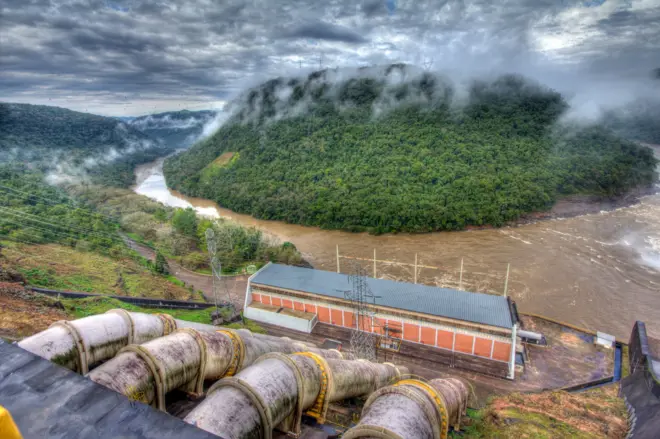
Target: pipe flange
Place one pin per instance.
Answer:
(256, 399)
(238, 352)
(157, 372)
(372, 431)
(129, 321)
(438, 402)
(169, 323)
(82, 358)
(319, 409)
(201, 373)
(293, 423)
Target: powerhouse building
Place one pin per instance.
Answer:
(451, 321)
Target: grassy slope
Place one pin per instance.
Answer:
(23, 313)
(597, 413)
(60, 267)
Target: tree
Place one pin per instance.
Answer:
(185, 222)
(160, 265)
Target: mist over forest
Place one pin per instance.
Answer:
(397, 148)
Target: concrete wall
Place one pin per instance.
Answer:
(286, 321)
(492, 347)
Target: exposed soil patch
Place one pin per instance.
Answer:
(23, 313)
(595, 413)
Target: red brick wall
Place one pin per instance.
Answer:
(502, 351)
(395, 328)
(335, 316)
(408, 331)
(379, 326)
(411, 332)
(324, 314)
(482, 347)
(445, 339)
(428, 336)
(365, 323)
(349, 319)
(464, 343)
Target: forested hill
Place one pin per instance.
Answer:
(395, 149)
(177, 129)
(68, 142)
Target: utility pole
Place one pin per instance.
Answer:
(337, 258)
(374, 263)
(506, 281)
(460, 279)
(415, 277)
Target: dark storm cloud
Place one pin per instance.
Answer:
(101, 53)
(325, 31)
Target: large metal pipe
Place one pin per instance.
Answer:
(413, 409)
(278, 388)
(185, 359)
(80, 344)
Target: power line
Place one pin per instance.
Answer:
(90, 232)
(50, 231)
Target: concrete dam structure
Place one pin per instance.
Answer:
(262, 383)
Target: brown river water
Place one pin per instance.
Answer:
(600, 271)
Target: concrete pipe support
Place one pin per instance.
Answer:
(185, 359)
(278, 389)
(413, 409)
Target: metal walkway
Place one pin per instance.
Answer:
(48, 401)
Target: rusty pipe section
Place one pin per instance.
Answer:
(278, 389)
(185, 359)
(413, 409)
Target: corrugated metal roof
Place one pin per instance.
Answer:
(49, 401)
(481, 308)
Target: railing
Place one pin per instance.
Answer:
(138, 301)
(640, 357)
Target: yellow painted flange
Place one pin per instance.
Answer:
(437, 399)
(319, 409)
(238, 352)
(169, 324)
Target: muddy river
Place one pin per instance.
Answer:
(600, 271)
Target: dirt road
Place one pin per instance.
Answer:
(235, 285)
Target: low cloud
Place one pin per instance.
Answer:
(129, 57)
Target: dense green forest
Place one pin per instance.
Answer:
(403, 152)
(73, 144)
(176, 129)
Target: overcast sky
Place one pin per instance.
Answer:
(131, 57)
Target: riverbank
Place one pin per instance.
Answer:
(597, 270)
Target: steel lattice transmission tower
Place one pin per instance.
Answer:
(216, 267)
(363, 343)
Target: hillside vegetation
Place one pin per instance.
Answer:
(399, 150)
(593, 414)
(70, 145)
